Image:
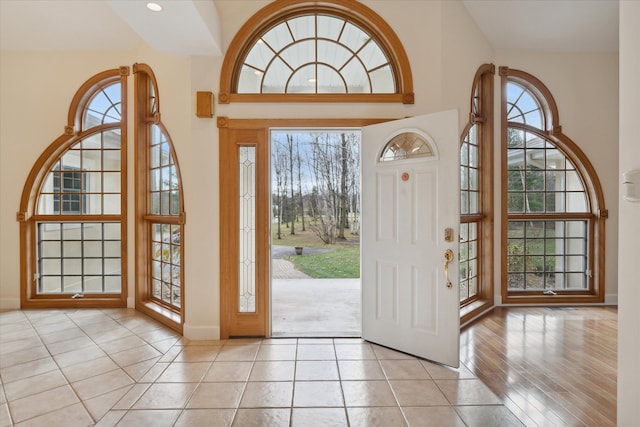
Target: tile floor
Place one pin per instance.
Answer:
(118, 367)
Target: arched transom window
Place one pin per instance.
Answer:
(316, 54)
(338, 50)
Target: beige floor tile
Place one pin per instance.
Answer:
(228, 371)
(89, 369)
(317, 370)
(315, 341)
(100, 384)
(166, 396)
(9, 336)
(135, 355)
(155, 418)
(262, 418)
(82, 355)
(441, 372)
(74, 415)
(375, 417)
(316, 352)
(23, 356)
(238, 352)
(279, 341)
(170, 355)
(319, 417)
(277, 352)
(495, 416)
(418, 393)
(267, 395)
(29, 369)
(205, 417)
(198, 353)
(360, 370)
(34, 385)
(62, 335)
(178, 372)
(111, 335)
(242, 341)
(5, 416)
(354, 351)
(111, 418)
(434, 416)
(467, 392)
(404, 370)
(47, 328)
(69, 345)
(317, 394)
(217, 395)
(152, 374)
(98, 406)
(276, 370)
(19, 345)
(161, 334)
(387, 353)
(121, 344)
(131, 397)
(42, 403)
(368, 393)
(164, 345)
(139, 370)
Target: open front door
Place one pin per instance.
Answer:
(410, 220)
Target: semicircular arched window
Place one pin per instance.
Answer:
(553, 201)
(73, 211)
(407, 145)
(334, 51)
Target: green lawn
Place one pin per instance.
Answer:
(342, 263)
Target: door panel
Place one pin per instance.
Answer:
(407, 205)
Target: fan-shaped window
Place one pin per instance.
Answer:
(72, 210)
(325, 50)
(406, 145)
(553, 202)
(161, 209)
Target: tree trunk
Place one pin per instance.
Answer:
(292, 203)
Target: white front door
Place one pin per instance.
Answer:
(409, 302)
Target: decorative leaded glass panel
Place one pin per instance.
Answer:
(405, 146)
(247, 221)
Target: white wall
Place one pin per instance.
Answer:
(629, 234)
(585, 88)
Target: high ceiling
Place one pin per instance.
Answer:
(192, 27)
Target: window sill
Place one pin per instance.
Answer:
(470, 311)
(161, 314)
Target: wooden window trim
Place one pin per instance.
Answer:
(28, 217)
(352, 11)
(484, 299)
(595, 197)
(145, 302)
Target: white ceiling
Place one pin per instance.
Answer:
(192, 27)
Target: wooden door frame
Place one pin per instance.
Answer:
(230, 131)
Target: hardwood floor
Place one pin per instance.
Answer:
(550, 366)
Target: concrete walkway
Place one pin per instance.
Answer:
(305, 307)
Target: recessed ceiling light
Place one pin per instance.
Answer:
(154, 7)
(312, 80)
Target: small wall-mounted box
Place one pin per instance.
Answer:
(631, 185)
(204, 104)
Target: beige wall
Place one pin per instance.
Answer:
(629, 216)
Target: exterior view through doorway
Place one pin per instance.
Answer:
(315, 232)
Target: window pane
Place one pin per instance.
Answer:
(247, 267)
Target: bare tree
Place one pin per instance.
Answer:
(292, 204)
